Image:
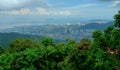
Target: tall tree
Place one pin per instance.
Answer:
(47, 41)
(117, 20)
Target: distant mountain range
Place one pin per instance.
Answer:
(98, 26)
(57, 32)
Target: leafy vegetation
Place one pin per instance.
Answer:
(103, 53)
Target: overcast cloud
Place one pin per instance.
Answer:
(42, 10)
(17, 4)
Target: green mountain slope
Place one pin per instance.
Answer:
(5, 38)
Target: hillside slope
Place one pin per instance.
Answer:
(5, 38)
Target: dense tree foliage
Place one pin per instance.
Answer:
(22, 44)
(47, 41)
(117, 20)
(1, 50)
(102, 53)
(84, 44)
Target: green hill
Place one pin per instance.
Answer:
(5, 38)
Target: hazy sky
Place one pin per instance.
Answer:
(55, 11)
